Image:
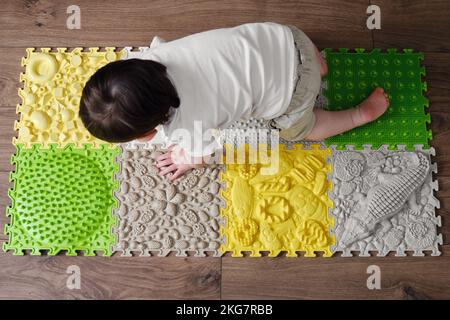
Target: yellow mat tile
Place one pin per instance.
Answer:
(52, 86)
(283, 211)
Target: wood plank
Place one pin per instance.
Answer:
(437, 66)
(110, 278)
(438, 80)
(335, 278)
(4, 202)
(135, 22)
(9, 77)
(7, 118)
(422, 25)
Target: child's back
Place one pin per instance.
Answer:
(228, 74)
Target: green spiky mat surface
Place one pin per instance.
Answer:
(62, 200)
(351, 78)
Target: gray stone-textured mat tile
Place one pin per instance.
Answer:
(383, 202)
(157, 216)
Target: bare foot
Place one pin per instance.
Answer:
(371, 108)
(323, 63)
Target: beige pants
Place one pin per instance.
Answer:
(298, 120)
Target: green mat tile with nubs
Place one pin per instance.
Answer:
(62, 200)
(351, 78)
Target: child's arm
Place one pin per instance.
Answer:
(178, 161)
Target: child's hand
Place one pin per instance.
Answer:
(178, 161)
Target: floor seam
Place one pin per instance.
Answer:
(371, 31)
(221, 277)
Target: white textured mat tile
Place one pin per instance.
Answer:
(383, 201)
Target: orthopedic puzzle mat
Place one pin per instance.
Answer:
(353, 75)
(52, 85)
(159, 216)
(284, 211)
(383, 201)
(62, 200)
(370, 191)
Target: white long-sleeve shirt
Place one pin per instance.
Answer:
(224, 75)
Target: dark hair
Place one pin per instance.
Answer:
(126, 99)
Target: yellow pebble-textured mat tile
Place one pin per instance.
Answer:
(52, 84)
(286, 210)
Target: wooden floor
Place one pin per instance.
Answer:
(417, 24)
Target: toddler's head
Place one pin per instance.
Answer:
(127, 99)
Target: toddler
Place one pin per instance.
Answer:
(208, 80)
